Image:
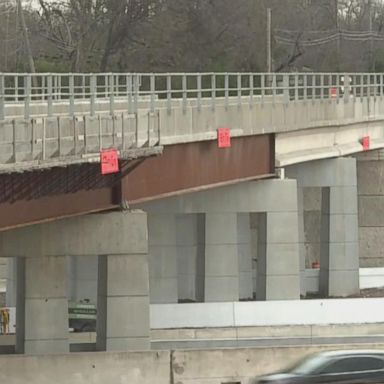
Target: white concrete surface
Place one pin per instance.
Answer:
(247, 314)
(369, 278)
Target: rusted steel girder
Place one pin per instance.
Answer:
(41, 195)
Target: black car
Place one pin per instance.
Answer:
(348, 366)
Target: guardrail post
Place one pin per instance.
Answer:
(274, 87)
(286, 88)
(296, 87)
(71, 95)
(27, 96)
(213, 91)
(354, 87)
(169, 93)
(314, 88)
(330, 86)
(199, 86)
(55, 87)
(92, 87)
(184, 86)
(262, 90)
(106, 90)
(83, 86)
(49, 85)
(251, 89)
(238, 90)
(226, 90)
(136, 90)
(347, 89)
(152, 92)
(111, 94)
(16, 80)
(2, 97)
(129, 93)
(305, 88)
(337, 88)
(322, 87)
(361, 87)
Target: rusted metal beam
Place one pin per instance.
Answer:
(193, 166)
(42, 195)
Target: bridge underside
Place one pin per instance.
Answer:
(41, 195)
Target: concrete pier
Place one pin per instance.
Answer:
(42, 251)
(339, 242)
(226, 237)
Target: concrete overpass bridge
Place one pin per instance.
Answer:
(205, 223)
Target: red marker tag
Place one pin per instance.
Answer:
(223, 137)
(366, 143)
(333, 92)
(109, 161)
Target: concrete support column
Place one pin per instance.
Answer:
(370, 184)
(190, 256)
(278, 264)
(162, 258)
(254, 249)
(245, 256)
(186, 233)
(123, 303)
(302, 252)
(10, 294)
(339, 248)
(221, 257)
(42, 305)
(200, 257)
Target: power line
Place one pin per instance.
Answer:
(346, 35)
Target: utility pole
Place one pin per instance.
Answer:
(31, 62)
(371, 56)
(339, 34)
(269, 40)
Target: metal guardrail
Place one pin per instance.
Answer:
(219, 88)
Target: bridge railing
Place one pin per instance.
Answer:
(218, 88)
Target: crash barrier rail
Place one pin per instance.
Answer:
(154, 88)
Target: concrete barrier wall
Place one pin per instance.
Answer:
(265, 332)
(369, 278)
(248, 314)
(87, 368)
(236, 365)
(161, 367)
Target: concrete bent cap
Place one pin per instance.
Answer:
(90, 235)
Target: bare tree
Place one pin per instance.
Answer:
(72, 28)
(207, 35)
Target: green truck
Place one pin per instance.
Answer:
(82, 316)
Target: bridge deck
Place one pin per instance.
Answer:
(63, 118)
